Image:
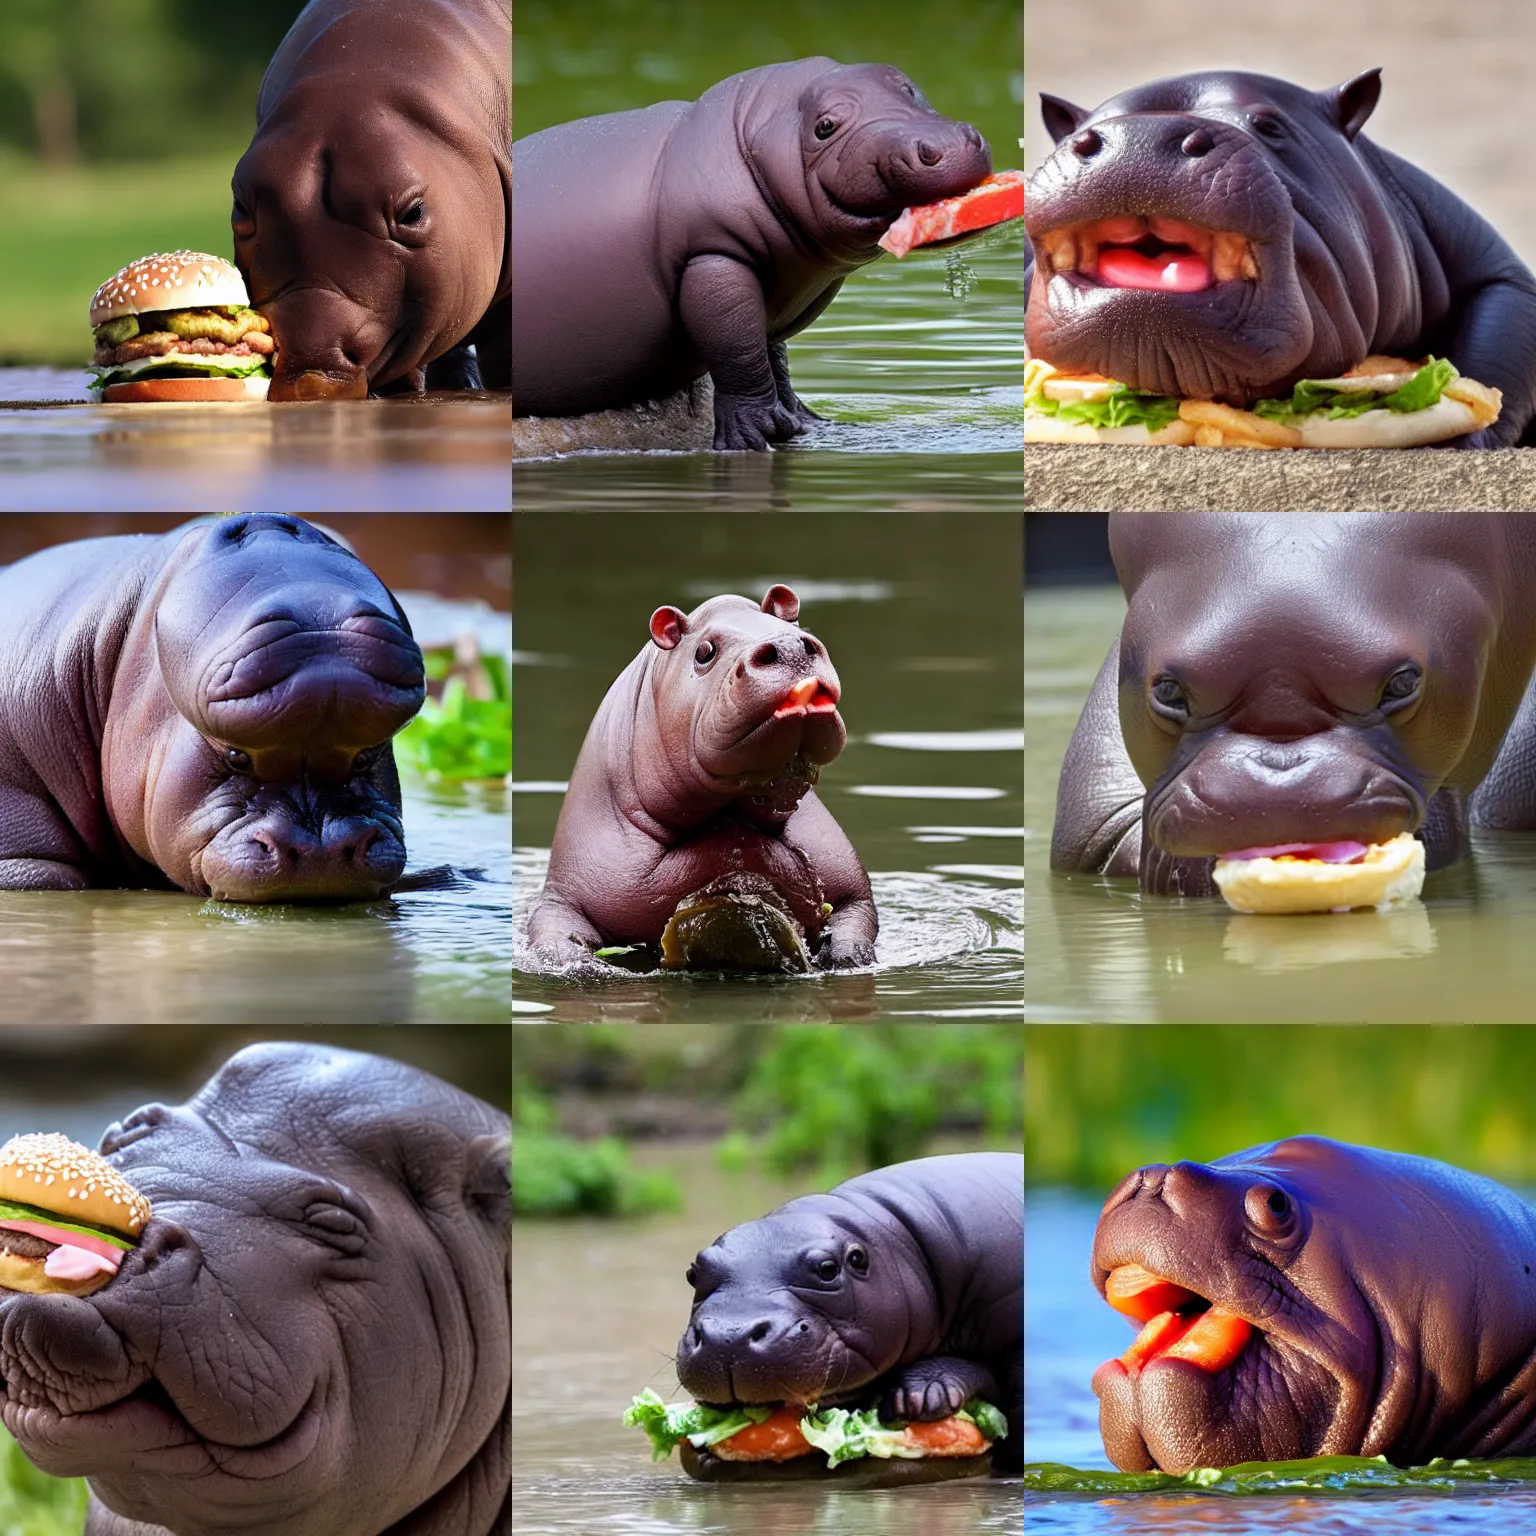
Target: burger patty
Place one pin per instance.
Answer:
(24, 1245)
(161, 343)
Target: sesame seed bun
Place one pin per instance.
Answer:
(169, 280)
(253, 386)
(56, 1174)
(1389, 874)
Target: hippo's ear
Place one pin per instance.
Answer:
(782, 604)
(1354, 101)
(668, 626)
(1061, 117)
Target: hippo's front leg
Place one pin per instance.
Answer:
(721, 303)
(560, 932)
(778, 356)
(848, 940)
(41, 875)
(936, 1387)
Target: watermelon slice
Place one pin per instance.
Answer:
(993, 201)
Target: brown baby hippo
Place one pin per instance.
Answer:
(700, 763)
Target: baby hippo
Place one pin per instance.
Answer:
(701, 763)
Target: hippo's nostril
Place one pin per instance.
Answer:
(811, 647)
(1087, 144)
(766, 655)
(1198, 143)
(929, 154)
(760, 1331)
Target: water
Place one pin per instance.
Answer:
(576, 1469)
(1099, 952)
(59, 453)
(1069, 1331)
(920, 617)
(432, 956)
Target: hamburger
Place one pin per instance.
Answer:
(1383, 402)
(179, 326)
(67, 1217)
(753, 1442)
(1322, 877)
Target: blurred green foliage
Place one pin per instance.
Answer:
(555, 1175)
(1100, 1101)
(460, 736)
(569, 61)
(34, 1505)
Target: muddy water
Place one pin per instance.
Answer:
(428, 454)
(920, 616)
(597, 1307)
(1099, 952)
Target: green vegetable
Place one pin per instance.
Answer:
(667, 1423)
(11, 1210)
(178, 365)
(116, 332)
(460, 737)
(1123, 408)
(1317, 1475)
(1309, 397)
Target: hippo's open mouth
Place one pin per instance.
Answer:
(1156, 254)
(809, 696)
(1177, 1323)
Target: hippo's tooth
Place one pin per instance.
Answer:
(1250, 263)
(1228, 254)
(1061, 250)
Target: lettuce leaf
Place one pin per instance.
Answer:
(667, 1423)
(179, 365)
(1309, 397)
(13, 1210)
(1124, 408)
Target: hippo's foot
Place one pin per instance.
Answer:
(805, 417)
(458, 368)
(935, 1388)
(1166, 874)
(752, 426)
(838, 953)
(40, 875)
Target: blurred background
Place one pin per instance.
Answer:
(633, 1149)
(120, 123)
(1103, 1100)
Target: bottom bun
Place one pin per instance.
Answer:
(1389, 874)
(866, 1472)
(1039, 427)
(141, 391)
(19, 1274)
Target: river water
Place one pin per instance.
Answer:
(597, 1307)
(920, 616)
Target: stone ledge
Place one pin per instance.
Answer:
(1072, 478)
(682, 423)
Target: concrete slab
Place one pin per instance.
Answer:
(682, 423)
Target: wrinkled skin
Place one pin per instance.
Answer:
(691, 770)
(210, 709)
(1393, 1298)
(924, 1310)
(687, 238)
(371, 211)
(1253, 696)
(313, 1337)
(1356, 251)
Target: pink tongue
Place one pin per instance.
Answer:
(1327, 853)
(1120, 267)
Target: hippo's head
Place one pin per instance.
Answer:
(313, 1336)
(250, 758)
(860, 145)
(1278, 687)
(1215, 236)
(370, 210)
(793, 1308)
(1307, 1298)
(742, 703)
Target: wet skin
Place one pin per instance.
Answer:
(1391, 1303)
(313, 1337)
(903, 1285)
(1304, 679)
(372, 210)
(655, 246)
(1220, 235)
(210, 709)
(700, 762)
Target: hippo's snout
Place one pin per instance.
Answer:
(943, 159)
(765, 1358)
(312, 384)
(276, 858)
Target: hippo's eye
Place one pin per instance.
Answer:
(827, 1269)
(1168, 696)
(826, 128)
(1403, 684)
(238, 760)
(1271, 1211)
(1268, 126)
(1278, 1202)
(705, 653)
(691, 1275)
(858, 1261)
(413, 214)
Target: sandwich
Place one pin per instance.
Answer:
(1322, 877)
(179, 326)
(752, 1442)
(67, 1217)
(1383, 402)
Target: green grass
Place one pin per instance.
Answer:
(65, 231)
(34, 1505)
(1318, 1474)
